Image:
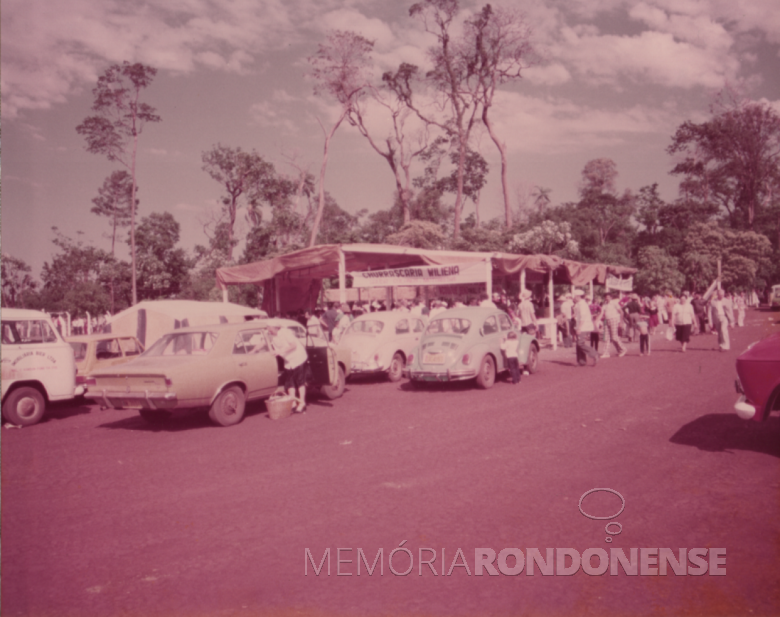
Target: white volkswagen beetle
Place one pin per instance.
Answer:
(381, 342)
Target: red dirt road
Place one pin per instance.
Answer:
(104, 515)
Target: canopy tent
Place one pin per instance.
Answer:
(294, 280)
(331, 260)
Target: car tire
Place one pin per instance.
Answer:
(24, 406)
(396, 371)
(532, 365)
(228, 407)
(154, 417)
(335, 391)
(487, 373)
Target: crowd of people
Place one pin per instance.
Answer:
(592, 325)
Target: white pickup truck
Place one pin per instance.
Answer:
(38, 367)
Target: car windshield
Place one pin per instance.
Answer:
(183, 344)
(449, 325)
(27, 332)
(366, 326)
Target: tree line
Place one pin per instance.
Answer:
(728, 207)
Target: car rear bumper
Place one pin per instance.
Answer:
(449, 375)
(134, 400)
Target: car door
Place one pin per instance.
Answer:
(255, 364)
(492, 336)
(506, 326)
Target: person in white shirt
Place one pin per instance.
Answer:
(612, 316)
(584, 324)
(719, 321)
(296, 373)
(682, 319)
(526, 311)
(509, 347)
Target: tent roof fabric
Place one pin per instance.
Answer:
(322, 261)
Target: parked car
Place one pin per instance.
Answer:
(216, 368)
(758, 379)
(37, 366)
(316, 338)
(774, 298)
(381, 342)
(465, 343)
(96, 351)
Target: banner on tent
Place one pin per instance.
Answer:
(613, 282)
(422, 275)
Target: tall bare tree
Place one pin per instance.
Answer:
(397, 147)
(118, 121)
(453, 77)
(340, 68)
(498, 39)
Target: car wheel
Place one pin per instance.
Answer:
(532, 365)
(487, 373)
(336, 390)
(24, 406)
(396, 368)
(228, 407)
(154, 417)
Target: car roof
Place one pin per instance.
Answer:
(102, 336)
(387, 316)
(468, 312)
(17, 313)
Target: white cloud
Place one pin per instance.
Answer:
(549, 75)
(554, 125)
(651, 57)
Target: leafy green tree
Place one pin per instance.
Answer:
(163, 267)
(247, 179)
(17, 282)
(113, 201)
(732, 160)
(658, 272)
(74, 280)
(743, 255)
(548, 238)
(418, 234)
(118, 122)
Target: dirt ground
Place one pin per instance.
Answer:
(103, 514)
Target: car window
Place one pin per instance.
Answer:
(402, 327)
(28, 332)
(419, 326)
(504, 322)
(183, 344)
(107, 350)
(130, 347)
(490, 327)
(452, 325)
(250, 341)
(367, 326)
(79, 350)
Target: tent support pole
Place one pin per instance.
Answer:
(522, 280)
(553, 327)
(225, 295)
(591, 290)
(489, 276)
(342, 278)
(277, 296)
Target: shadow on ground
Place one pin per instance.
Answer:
(727, 432)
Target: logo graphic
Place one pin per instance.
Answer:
(605, 518)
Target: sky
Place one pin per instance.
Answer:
(615, 79)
